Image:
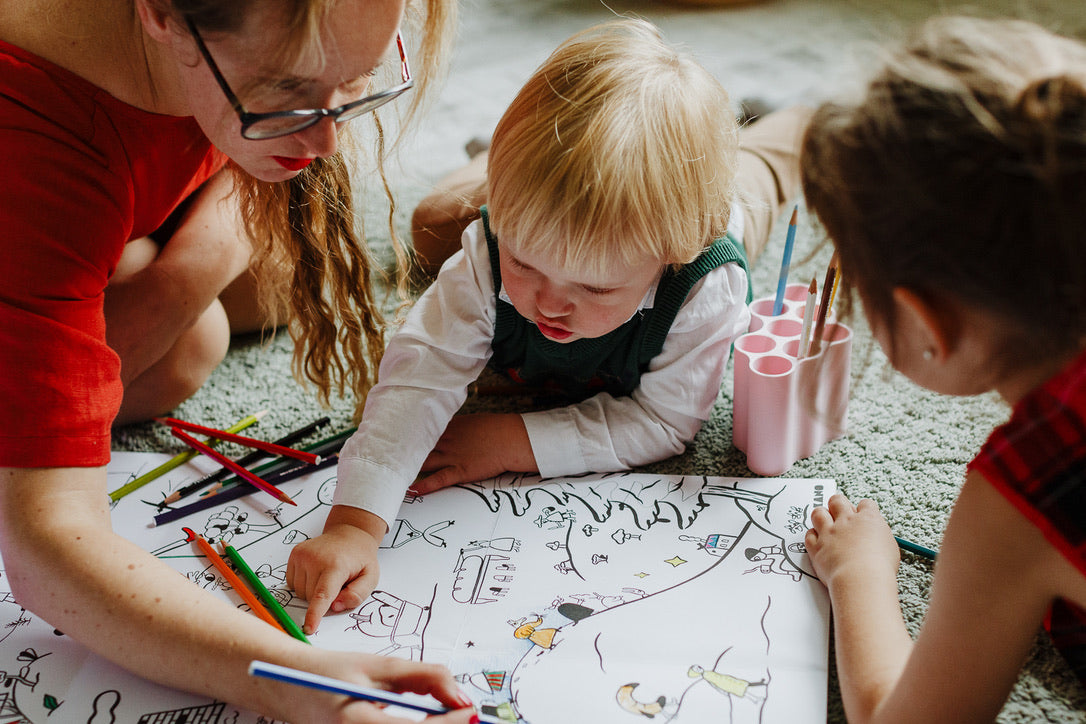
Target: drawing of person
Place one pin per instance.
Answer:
(542, 637)
(725, 683)
(771, 559)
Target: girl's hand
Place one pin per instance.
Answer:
(849, 540)
(477, 447)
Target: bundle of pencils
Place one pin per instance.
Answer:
(252, 590)
(810, 339)
(261, 451)
(273, 473)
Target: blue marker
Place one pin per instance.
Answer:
(337, 686)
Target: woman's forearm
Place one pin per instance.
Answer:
(65, 564)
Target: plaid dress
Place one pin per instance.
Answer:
(1037, 460)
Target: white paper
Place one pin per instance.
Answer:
(604, 598)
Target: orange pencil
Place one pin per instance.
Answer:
(228, 463)
(232, 578)
(268, 447)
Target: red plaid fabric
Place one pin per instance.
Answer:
(1037, 460)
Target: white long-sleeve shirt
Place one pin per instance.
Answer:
(445, 343)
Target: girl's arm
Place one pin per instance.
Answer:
(66, 565)
(994, 580)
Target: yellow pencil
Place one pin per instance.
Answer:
(178, 460)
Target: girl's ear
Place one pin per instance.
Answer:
(934, 327)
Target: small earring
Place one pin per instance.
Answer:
(929, 354)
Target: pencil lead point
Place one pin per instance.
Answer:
(795, 216)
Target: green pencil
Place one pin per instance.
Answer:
(263, 593)
(178, 460)
(915, 548)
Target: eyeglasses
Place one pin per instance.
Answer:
(261, 126)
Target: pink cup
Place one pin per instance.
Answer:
(786, 408)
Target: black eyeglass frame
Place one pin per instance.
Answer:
(307, 117)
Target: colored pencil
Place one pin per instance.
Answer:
(263, 593)
(223, 460)
(273, 472)
(324, 448)
(836, 278)
(231, 577)
(808, 318)
(786, 262)
(268, 447)
(178, 460)
(355, 691)
(915, 548)
(239, 491)
(244, 461)
(823, 308)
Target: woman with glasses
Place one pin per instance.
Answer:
(162, 157)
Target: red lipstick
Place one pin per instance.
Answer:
(292, 164)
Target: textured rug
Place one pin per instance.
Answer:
(905, 448)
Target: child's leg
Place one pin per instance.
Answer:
(185, 366)
(769, 172)
(441, 217)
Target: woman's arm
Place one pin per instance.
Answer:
(66, 565)
(993, 584)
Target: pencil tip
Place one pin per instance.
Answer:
(260, 414)
(813, 288)
(795, 215)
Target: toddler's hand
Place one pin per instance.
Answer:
(335, 571)
(850, 539)
(477, 447)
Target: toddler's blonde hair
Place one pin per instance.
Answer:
(617, 148)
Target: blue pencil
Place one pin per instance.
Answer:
(336, 686)
(786, 262)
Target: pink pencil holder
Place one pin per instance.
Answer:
(786, 408)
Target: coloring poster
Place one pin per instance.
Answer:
(603, 598)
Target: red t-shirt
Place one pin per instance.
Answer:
(1037, 460)
(85, 173)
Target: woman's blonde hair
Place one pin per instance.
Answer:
(961, 173)
(307, 225)
(617, 148)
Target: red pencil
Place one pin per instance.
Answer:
(269, 447)
(228, 463)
